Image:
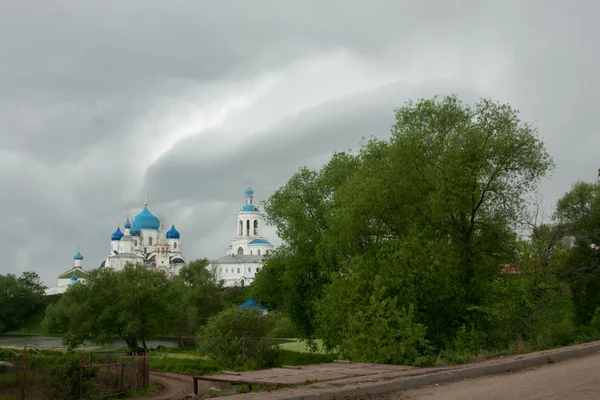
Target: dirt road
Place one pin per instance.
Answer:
(173, 386)
(566, 380)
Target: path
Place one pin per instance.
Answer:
(174, 386)
(566, 380)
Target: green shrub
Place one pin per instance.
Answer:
(237, 338)
(424, 361)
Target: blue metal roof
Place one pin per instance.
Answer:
(260, 241)
(134, 231)
(173, 233)
(78, 256)
(145, 220)
(117, 235)
(251, 303)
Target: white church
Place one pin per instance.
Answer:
(145, 241)
(244, 257)
(71, 277)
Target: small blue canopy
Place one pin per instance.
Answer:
(251, 303)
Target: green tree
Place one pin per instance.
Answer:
(580, 210)
(300, 210)
(131, 304)
(429, 215)
(20, 298)
(198, 289)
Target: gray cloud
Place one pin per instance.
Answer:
(188, 102)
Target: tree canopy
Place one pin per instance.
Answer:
(130, 304)
(423, 221)
(20, 297)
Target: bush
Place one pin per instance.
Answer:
(237, 338)
(65, 380)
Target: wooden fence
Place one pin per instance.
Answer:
(34, 374)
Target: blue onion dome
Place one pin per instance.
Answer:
(127, 224)
(134, 231)
(117, 235)
(73, 279)
(173, 233)
(249, 208)
(249, 192)
(78, 256)
(145, 220)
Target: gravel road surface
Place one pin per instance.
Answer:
(577, 379)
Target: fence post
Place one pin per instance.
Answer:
(24, 384)
(123, 373)
(137, 375)
(147, 372)
(80, 391)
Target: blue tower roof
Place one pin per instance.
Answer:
(145, 220)
(249, 192)
(249, 208)
(134, 231)
(117, 235)
(78, 256)
(260, 241)
(173, 233)
(127, 223)
(251, 303)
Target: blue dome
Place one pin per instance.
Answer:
(127, 223)
(173, 233)
(78, 256)
(260, 241)
(249, 208)
(249, 192)
(73, 280)
(117, 235)
(145, 220)
(134, 231)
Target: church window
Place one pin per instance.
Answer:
(247, 227)
(241, 228)
(240, 251)
(149, 241)
(145, 250)
(226, 270)
(242, 283)
(238, 270)
(259, 252)
(135, 242)
(175, 245)
(255, 227)
(249, 269)
(250, 252)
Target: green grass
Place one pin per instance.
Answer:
(288, 357)
(301, 347)
(192, 366)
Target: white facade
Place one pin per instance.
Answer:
(244, 257)
(145, 241)
(75, 275)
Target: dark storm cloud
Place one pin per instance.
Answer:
(188, 102)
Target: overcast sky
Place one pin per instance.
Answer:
(188, 102)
